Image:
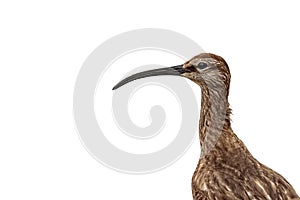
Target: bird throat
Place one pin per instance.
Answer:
(214, 118)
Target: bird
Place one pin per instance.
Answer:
(226, 169)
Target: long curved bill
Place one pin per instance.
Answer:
(175, 71)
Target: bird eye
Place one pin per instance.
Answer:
(202, 65)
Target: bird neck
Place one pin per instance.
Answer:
(214, 118)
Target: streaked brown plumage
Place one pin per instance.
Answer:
(226, 169)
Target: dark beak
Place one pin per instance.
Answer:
(175, 71)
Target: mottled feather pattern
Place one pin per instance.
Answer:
(226, 169)
(235, 174)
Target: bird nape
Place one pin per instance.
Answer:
(226, 169)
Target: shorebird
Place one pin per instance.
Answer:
(226, 169)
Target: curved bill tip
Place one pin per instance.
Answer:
(174, 71)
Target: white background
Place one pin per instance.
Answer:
(43, 45)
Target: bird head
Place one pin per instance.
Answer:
(207, 70)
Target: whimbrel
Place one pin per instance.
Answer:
(226, 169)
